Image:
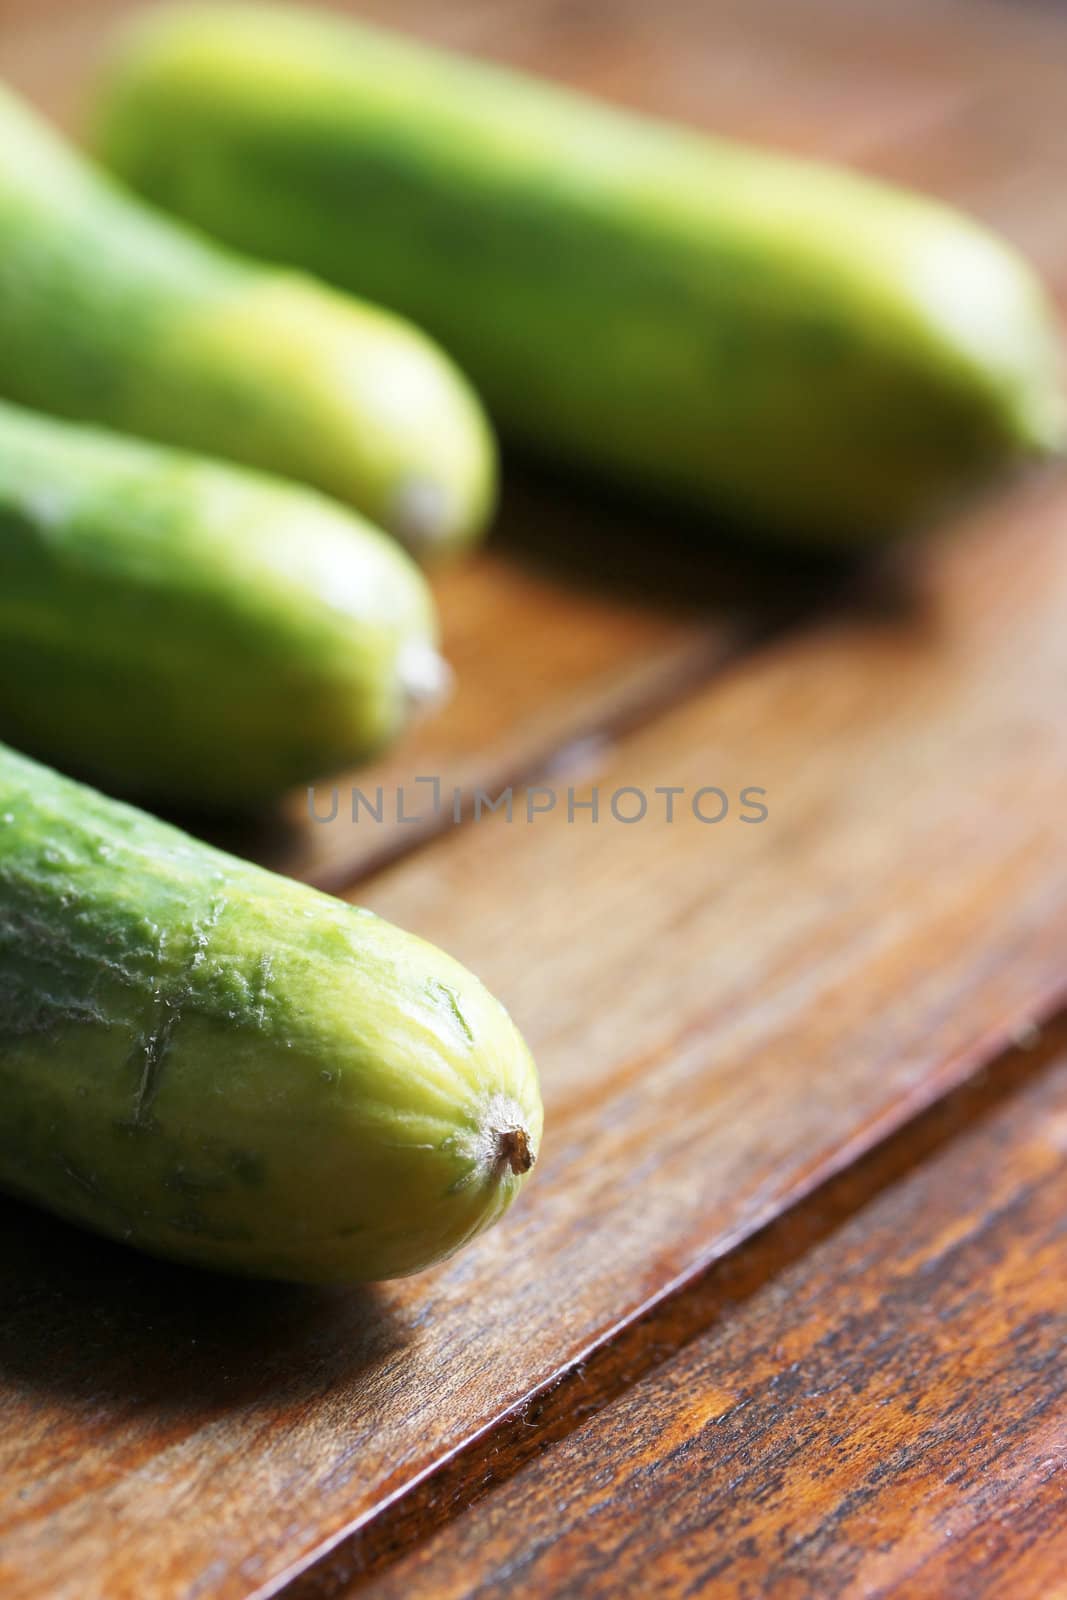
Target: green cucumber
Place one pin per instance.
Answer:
(111, 313)
(815, 353)
(216, 1064)
(191, 630)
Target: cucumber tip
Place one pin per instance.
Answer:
(421, 515)
(513, 1150)
(1045, 423)
(499, 1143)
(425, 676)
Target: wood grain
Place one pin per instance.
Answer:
(725, 1016)
(668, 1325)
(887, 1418)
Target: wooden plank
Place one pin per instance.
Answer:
(887, 1418)
(723, 1017)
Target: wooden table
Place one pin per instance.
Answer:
(784, 1311)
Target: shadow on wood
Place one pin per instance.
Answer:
(96, 1327)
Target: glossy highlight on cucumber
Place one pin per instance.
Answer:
(191, 631)
(820, 356)
(218, 1065)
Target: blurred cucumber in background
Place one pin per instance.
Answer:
(824, 356)
(191, 631)
(113, 314)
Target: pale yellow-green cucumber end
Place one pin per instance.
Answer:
(996, 320)
(425, 677)
(1043, 423)
(351, 399)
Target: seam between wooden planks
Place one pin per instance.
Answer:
(966, 1091)
(698, 666)
(707, 663)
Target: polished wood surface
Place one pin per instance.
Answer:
(741, 1028)
(887, 1417)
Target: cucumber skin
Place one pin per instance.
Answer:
(110, 313)
(814, 352)
(218, 1065)
(189, 630)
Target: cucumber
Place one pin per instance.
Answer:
(193, 631)
(111, 313)
(819, 356)
(216, 1064)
